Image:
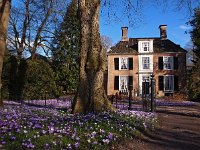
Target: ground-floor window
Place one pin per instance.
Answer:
(168, 83)
(122, 83)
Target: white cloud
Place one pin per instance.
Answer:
(184, 27)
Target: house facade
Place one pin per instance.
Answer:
(132, 61)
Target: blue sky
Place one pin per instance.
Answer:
(148, 27)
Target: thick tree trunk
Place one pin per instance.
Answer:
(90, 96)
(4, 16)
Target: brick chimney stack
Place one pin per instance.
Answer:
(163, 32)
(124, 33)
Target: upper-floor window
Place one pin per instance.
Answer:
(145, 46)
(168, 63)
(145, 62)
(123, 63)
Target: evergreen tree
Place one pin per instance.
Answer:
(195, 32)
(66, 49)
(194, 77)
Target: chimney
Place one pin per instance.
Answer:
(163, 32)
(124, 33)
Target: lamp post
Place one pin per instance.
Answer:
(152, 93)
(130, 96)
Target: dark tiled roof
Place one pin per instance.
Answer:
(131, 46)
(124, 47)
(160, 46)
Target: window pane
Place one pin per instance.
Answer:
(145, 46)
(123, 83)
(124, 63)
(145, 62)
(169, 83)
(168, 62)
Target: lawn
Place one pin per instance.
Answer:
(54, 128)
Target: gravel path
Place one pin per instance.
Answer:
(179, 129)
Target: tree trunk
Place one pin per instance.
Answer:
(4, 16)
(90, 96)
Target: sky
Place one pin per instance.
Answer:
(148, 26)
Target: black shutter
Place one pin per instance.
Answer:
(176, 84)
(130, 82)
(116, 61)
(160, 63)
(116, 83)
(130, 62)
(161, 83)
(175, 63)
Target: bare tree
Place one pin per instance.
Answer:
(4, 15)
(32, 24)
(106, 42)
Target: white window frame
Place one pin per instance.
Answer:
(145, 62)
(167, 62)
(170, 82)
(125, 87)
(123, 60)
(145, 46)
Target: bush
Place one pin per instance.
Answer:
(27, 79)
(39, 81)
(194, 83)
(8, 75)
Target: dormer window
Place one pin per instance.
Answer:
(145, 46)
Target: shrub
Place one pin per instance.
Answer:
(39, 81)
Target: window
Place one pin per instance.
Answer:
(168, 62)
(145, 63)
(124, 63)
(123, 83)
(169, 83)
(145, 46)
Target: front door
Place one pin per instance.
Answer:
(145, 87)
